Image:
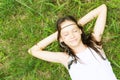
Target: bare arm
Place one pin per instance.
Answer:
(37, 51)
(100, 13)
(60, 57)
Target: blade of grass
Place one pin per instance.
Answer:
(25, 5)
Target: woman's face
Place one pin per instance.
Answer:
(70, 34)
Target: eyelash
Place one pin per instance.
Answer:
(66, 34)
(74, 30)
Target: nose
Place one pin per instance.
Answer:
(72, 35)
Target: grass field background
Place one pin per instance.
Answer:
(25, 22)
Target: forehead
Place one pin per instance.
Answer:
(67, 25)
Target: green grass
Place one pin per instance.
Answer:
(24, 22)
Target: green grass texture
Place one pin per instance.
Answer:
(25, 22)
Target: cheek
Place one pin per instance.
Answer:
(64, 39)
(78, 35)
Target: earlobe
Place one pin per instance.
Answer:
(61, 40)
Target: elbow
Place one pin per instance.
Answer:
(103, 4)
(104, 7)
(34, 49)
(29, 51)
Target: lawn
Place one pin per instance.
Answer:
(25, 22)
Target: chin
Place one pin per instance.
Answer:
(74, 44)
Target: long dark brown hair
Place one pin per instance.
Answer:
(86, 39)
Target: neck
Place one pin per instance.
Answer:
(80, 48)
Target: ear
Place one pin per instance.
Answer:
(61, 40)
(80, 31)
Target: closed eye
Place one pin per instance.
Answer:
(75, 30)
(66, 34)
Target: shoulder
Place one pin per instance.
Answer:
(64, 57)
(58, 57)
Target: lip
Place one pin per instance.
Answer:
(73, 40)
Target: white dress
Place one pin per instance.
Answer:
(93, 67)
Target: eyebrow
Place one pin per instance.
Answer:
(68, 25)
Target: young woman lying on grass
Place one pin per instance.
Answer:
(83, 56)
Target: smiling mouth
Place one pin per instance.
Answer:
(73, 40)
